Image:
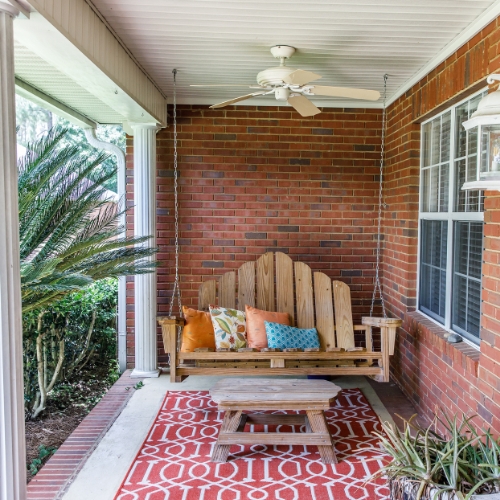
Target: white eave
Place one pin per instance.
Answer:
(66, 51)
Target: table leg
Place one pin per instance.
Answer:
(308, 425)
(318, 424)
(230, 424)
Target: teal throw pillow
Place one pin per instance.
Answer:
(286, 337)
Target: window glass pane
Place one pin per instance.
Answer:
(426, 144)
(474, 308)
(461, 115)
(445, 137)
(472, 203)
(466, 145)
(433, 198)
(473, 103)
(475, 249)
(472, 145)
(436, 141)
(424, 204)
(444, 177)
(466, 308)
(432, 296)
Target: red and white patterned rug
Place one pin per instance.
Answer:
(174, 462)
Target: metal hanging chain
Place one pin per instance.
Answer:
(176, 293)
(378, 286)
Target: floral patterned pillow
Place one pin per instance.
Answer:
(229, 327)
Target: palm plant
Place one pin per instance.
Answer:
(69, 231)
(70, 237)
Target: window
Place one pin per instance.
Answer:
(451, 223)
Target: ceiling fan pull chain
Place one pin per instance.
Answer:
(378, 286)
(176, 293)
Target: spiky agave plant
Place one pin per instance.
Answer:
(426, 465)
(69, 232)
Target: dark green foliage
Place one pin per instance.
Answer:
(43, 454)
(68, 322)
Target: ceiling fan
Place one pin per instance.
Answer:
(293, 85)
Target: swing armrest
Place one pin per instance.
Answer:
(387, 330)
(381, 322)
(169, 326)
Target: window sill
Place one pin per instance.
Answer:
(460, 355)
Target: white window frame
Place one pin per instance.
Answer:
(449, 216)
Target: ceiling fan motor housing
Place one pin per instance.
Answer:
(273, 77)
(282, 94)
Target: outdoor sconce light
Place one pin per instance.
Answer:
(487, 121)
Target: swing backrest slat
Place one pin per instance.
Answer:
(207, 294)
(265, 282)
(323, 305)
(275, 283)
(227, 290)
(304, 295)
(246, 285)
(284, 285)
(343, 315)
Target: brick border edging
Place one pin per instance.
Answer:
(54, 478)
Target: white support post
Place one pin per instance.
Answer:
(145, 225)
(12, 440)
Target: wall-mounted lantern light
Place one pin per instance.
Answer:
(487, 121)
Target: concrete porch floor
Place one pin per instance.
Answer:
(104, 470)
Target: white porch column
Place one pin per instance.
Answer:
(145, 225)
(12, 443)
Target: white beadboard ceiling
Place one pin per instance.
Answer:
(37, 72)
(350, 43)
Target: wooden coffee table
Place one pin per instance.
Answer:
(236, 395)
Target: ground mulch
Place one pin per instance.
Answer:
(72, 401)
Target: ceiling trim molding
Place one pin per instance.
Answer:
(475, 27)
(125, 48)
(45, 101)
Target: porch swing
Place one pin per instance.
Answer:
(312, 300)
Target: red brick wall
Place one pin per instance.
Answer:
(431, 371)
(263, 179)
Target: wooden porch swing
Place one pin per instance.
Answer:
(275, 283)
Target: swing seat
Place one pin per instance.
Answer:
(275, 283)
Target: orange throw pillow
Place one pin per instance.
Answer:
(198, 330)
(256, 331)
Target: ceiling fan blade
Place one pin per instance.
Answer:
(252, 86)
(301, 77)
(368, 95)
(236, 99)
(303, 105)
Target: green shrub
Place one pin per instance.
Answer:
(64, 337)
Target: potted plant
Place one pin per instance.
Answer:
(463, 466)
